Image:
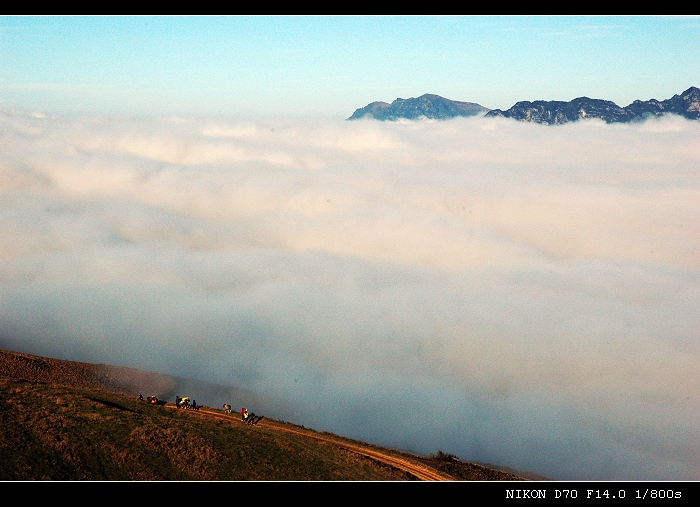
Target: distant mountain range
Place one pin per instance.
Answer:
(552, 112)
(428, 105)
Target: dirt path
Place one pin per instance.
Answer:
(422, 473)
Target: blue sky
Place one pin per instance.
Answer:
(331, 65)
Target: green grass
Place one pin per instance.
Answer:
(68, 421)
(52, 432)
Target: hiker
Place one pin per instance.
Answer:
(177, 402)
(194, 404)
(227, 408)
(141, 397)
(244, 414)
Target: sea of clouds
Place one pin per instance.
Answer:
(510, 293)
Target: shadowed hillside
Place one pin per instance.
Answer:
(65, 420)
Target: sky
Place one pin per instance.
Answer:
(508, 292)
(332, 65)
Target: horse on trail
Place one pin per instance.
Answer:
(254, 419)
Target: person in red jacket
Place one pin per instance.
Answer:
(244, 413)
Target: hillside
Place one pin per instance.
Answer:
(72, 421)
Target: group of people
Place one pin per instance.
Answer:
(246, 417)
(152, 400)
(185, 403)
(250, 417)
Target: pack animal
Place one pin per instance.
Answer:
(254, 419)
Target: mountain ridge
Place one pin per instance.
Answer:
(548, 112)
(427, 105)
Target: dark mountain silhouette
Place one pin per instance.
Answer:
(687, 104)
(555, 112)
(549, 112)
(427, 106)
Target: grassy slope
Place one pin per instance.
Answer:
(60, 420)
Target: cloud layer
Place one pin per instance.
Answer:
(506, 292)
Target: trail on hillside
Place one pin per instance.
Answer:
(420, 472)
(122, 380)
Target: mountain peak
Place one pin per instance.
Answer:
(548, 112)
(426, 106)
